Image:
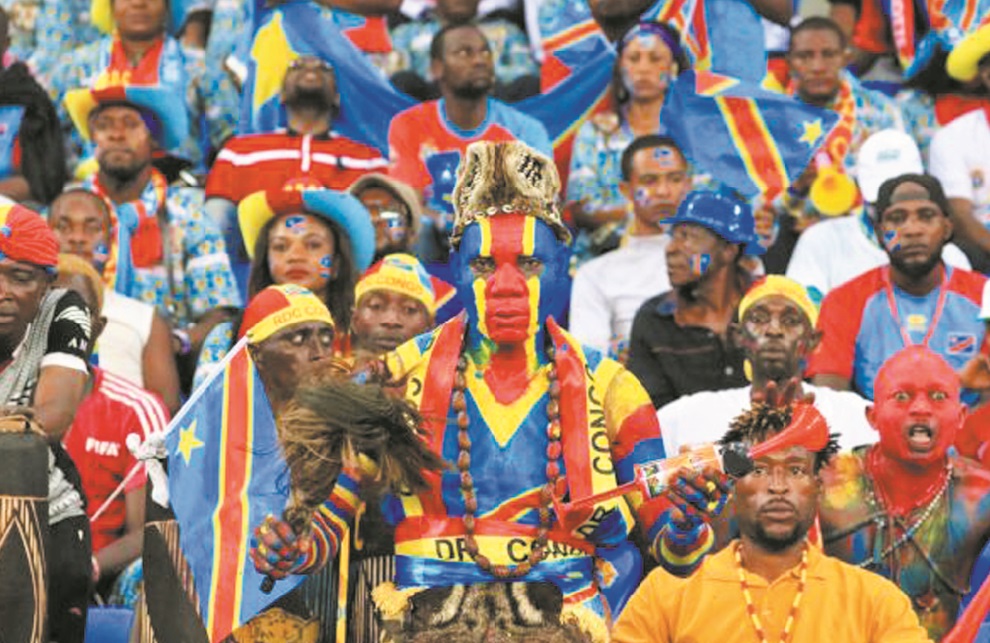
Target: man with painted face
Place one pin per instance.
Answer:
(772, 584)
(917, 299)
(776, 331)
(680, 340)
(525, 416)
(610, 289)
(906, 508)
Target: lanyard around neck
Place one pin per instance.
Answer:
(892, 304)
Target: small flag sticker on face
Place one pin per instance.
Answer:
(892, 240)
(700, 263)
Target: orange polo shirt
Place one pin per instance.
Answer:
(840, 603)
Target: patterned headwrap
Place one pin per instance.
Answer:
(667, 35)
(25, 236)
(277, 307)
(405, 275)
(780, 285)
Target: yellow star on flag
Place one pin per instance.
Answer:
(812, 132)
(188, 441)
(272, 54)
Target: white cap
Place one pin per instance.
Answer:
(887, 154)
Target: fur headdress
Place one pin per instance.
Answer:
(502, 178)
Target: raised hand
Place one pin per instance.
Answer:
(276, 550)
(695, 495)
(779, 396)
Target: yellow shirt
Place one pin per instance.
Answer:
(840, 603)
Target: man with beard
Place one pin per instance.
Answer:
(427, 141)
(396, 301)
(308, 147)
(680, 340)
(776, 332)
(180, 263)
(906, 508)
(917, 299)
(771, 584)
(609, 290)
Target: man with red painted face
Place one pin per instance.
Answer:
(524, 414)
(906, 508)
(680, 341)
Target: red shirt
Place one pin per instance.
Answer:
(97, 444)
(254, 162)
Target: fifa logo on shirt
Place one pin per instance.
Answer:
(100, 447)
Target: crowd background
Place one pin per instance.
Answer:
(205, 164)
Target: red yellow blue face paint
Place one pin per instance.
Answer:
(700, 263)
(326, 266)
(512, 276)
(296, 223)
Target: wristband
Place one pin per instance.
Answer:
(185, 344)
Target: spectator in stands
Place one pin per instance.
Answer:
(800, 593)
(396, 301)
(816, 56)
(680, 341)
(315, 238)
(113, 409)
(608, 290)
(427, 141)
(917, 299)
(308, 147)
(834, 251)
(395, 212)
(140, 52)
(44, 343)
(141, 347)
(59, 26)
(32, 154)
(516, 72)
(912, 477)
(650, 57)
(776, 332)
(180, 260)
(960, 152)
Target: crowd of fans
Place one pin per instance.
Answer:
(145, 228)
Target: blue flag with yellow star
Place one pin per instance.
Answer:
(226, 473)
(368, 100)
(750, 139)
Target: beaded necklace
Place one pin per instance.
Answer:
(751, 607)
(554, 451)
(913, 528)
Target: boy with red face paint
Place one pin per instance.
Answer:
(524, 415)
(905, 507)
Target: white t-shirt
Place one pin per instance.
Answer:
(120, 347)
(608, 290)
(960, 159)
(832, 252)
(705, 417)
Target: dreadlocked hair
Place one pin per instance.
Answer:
(762, 421)
(42, 149)
(331, 417)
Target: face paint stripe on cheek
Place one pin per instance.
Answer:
(479, 285)
(326, 266)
